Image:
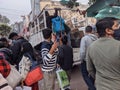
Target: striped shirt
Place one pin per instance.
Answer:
(49, 61)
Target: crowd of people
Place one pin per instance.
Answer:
(99, 55)
(17, 52)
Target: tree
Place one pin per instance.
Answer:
(4, 19)
(4, 29)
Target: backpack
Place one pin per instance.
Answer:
(37, 52)
(4, 65)
(58, 24)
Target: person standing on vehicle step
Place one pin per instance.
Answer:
(85, 42)
(49, 53)
(50, 17)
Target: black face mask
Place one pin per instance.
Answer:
(116, 34)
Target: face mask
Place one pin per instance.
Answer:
(116, 34)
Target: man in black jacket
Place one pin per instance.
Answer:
(50, 17)
(17, 42)
(65, 56)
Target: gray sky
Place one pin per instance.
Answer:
(13, 9)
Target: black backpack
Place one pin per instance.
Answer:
(37, 52)
(38, 48)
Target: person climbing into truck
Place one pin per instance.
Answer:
(50, 17)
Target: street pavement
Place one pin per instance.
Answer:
(77, 82)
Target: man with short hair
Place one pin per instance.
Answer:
(16, 46)
(85, 42)
(49, 56)
(13, 36)
(103, 56)
(5, 42)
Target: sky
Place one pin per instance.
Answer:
(14, 9)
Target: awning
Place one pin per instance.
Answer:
(93, 10)
(109, 11)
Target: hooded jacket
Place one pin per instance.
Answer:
(84, 44)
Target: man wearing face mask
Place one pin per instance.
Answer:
(103, 56)
(116, 34)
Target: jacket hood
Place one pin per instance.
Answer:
(92, 37)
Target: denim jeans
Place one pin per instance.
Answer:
(88, 80)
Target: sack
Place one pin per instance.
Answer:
(63, 79)
(14, 77)
(24, 66)
(4, 65)
(34, 76)
(23, 88)
(58, 24)
(4, 84)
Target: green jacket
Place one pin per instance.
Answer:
(103, 63)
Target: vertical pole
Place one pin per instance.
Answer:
(44, 18)
(86, 19)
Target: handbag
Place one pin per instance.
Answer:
(34, 76)
(63, 79)
(14, 77)
(4, 66)
(4, 84)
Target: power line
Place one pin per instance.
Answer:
(12, 10)
(11, 14)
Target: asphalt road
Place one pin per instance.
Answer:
(77, 82)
